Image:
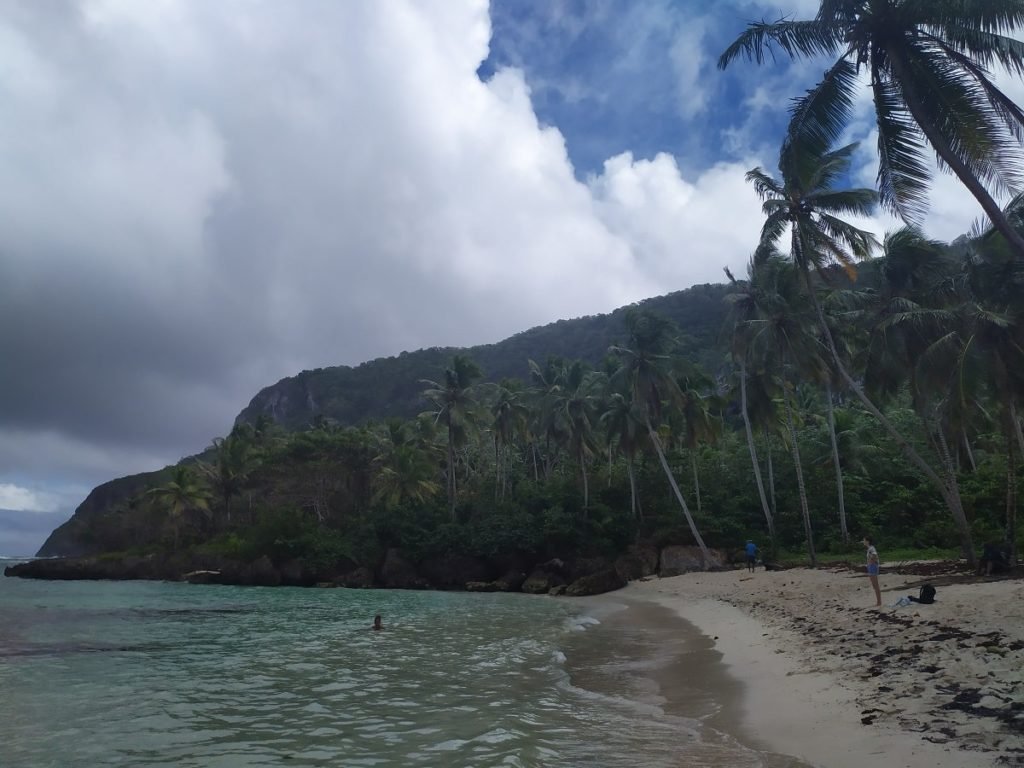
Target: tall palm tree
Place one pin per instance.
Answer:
(183, 494)
(623, 424)
(455, 402)
(404, 469)
(699, 426)
(508, 419)
(929, 63)
(743, 311)
(807, 204)
(782, 341)
(646, 372)
(234, 460)
(575, 403)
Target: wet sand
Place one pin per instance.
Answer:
(830, 679)
(648, 654)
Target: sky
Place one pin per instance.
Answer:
(198, 199)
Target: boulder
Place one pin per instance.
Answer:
(541, 580)
(398, 573)
(584, 566)
(629, 567)
(596, 583)
(360, 578)
(647, 554)
(556, 591)
(260, 573)
(293, 574)
(511, 581)
(454, 571)
(677, 559)
(481, 586)
(203, 577)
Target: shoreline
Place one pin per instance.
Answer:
(834, 684)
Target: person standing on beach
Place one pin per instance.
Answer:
(872, 555)
(751, 550)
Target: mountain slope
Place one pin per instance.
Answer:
(391, 386)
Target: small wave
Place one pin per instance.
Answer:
(581, 623)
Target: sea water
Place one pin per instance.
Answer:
(169, 674)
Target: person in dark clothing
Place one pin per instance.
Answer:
(751, 550)
(995, 557)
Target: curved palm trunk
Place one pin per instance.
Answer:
(1011, 498)
(586, 484)
(705, 555)
(970, 452)
(753, 451)
(632, 488)
(804, 509)
(696, 480)
(1011, 509)
(771, 472)
(950, 496)
(451, 468)
(844, 532)
(943, 150)
(497, 467)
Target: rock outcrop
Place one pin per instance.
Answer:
(579, 576)
(596, 583)
(677, 559)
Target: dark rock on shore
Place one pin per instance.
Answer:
(677, 559)
(508, 573)
(596, 583)
(455, 571)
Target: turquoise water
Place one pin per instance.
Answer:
(165, 674)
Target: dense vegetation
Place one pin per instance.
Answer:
(809, 402)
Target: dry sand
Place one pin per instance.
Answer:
(837, 682)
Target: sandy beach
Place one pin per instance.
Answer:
(838, 683)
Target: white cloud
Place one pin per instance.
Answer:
(202, 198)
(683, 232)
(14, 498)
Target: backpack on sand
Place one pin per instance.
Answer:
(926, 596)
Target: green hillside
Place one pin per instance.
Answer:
(390, 387)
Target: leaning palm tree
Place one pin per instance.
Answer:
(183, 494)
(807, 204)
(783, 343)
(455, 405)
(646, 372)
(743, 310)
(929, 63)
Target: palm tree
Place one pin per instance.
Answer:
(183, 494)
(546, 424)
(781, 341)
(508, 419)
(623, 424)
(455, 404)
(807, 204)
(404, 470)
(646, 372)
(575, 403)
(234, 459)
(743, 311)
(698, 424)
(929, 65)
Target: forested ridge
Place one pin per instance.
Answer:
(843, 386)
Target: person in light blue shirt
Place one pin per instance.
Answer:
(751, 550)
